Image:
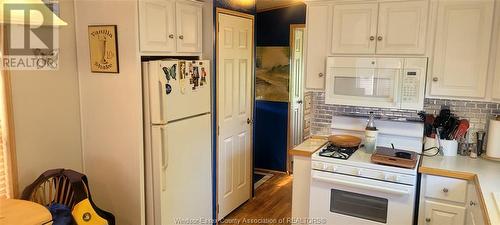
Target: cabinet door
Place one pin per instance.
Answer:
(496, 85)
(461, 50)
(188, 24)
(402, 27)
(437, 213)
(474, 212)
(354, 28)
(156, 22)
(316, 37)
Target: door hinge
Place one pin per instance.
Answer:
(218, 130)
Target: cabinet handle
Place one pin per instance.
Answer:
(435, 79)
(372, 38)
(249, 121)
(445, 190)
(379, 38)
(181, 37)
(472, 203)
(321, 74)
(428, 220)
(171, 36)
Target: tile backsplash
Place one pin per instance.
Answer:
(318, 115)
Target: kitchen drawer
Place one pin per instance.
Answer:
(445, 188)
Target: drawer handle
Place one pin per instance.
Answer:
(181, 37)
(472, 203)
(321, 75)
(445, 190)
(428, 220)
(372, 38)
(435, 79)
(171, 36)
(379, 38)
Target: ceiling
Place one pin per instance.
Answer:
(264, 5)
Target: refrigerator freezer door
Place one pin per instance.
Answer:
(190, 90)
(157, 89)
(187, 171)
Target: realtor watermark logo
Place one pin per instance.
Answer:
(30, 40)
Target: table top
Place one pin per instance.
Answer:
(21, 212)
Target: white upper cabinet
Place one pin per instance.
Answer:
(156, 18)
(496, 85)
(316, 39)
(170, 27)
(402, 27)
(354, 28)
(461, 49)
(380, 28)
(188, 26)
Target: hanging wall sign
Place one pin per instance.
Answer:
(103, 49)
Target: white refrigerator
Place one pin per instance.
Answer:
(178, 155)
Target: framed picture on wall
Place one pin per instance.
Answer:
(103, 44)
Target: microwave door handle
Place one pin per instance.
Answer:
(362, 186)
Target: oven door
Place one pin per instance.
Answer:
(343, 199)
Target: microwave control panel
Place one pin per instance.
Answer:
(411, 83)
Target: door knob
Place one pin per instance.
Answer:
(427, 220)
(249, 121)
(435, 79)
(445, 190)
(321, 74)
(171, 36)
(379, 38)
(181, 37)
(372, 38)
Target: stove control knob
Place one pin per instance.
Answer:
(330, 168)
(358, 173)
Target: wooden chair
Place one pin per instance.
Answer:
(65, 187)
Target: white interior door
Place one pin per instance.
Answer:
(296, 86)
(234, 112)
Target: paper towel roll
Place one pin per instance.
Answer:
(493, 145)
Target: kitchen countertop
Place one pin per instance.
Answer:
(309, 146)
(485, 174)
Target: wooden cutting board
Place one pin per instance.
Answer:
(387, 156)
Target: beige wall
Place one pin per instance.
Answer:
(47, 112)
(112, 130)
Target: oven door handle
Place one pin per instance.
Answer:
(363, 186)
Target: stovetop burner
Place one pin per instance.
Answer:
(333, 151)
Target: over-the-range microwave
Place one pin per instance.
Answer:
(376, 82)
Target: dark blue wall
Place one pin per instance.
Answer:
(270, 146)
(273, 27)
(271, 118)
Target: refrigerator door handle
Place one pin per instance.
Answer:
(164, 157)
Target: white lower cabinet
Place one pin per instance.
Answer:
(437, 213)
(449, 201)
(474, 212)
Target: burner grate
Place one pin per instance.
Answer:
(336, 152)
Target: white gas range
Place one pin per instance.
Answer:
(356, 191)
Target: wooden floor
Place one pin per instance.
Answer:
(272, 204)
